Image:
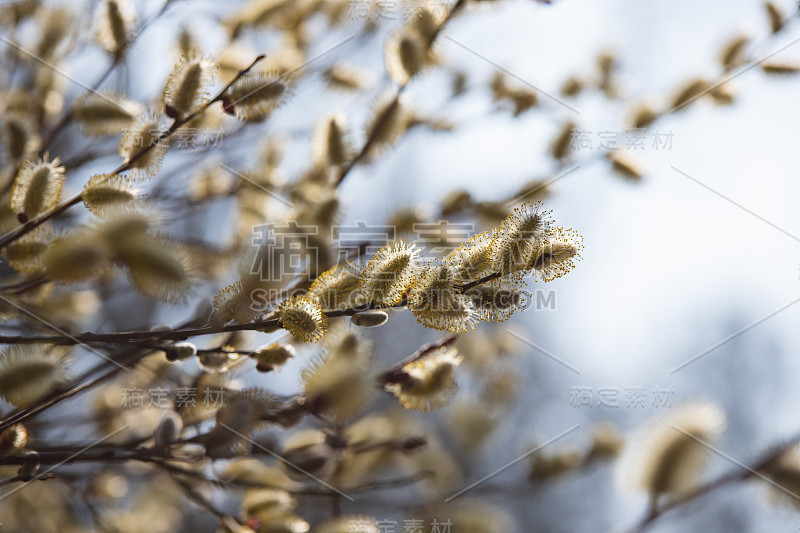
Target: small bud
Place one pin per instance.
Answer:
(181, 351)
(168, 431)
(369, 319)
(272, 356)
(30, 466)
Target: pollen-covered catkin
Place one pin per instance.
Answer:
(303, 318)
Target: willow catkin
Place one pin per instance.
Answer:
(669, 459)
(389, 273)
(370, 319)
(25, 255)
(19, 137)
(188, 85)
(115, 20)
(556, 255)
(732, 54)
(37, 187)
(626, 165)
(774, 67)
(347, 77)
(437, 303)
(273, 356)
(561, 146)
(428, 382)
(105, 113)
(303, 318)
(255, 95)
(775, 16)
(689, 92)
(157, 268)
(29, 372)
(388, 122)
(405, 53)
(329, 141)
(105, 192)
(338, 383)
(517, 239)
(337, 288)
(75, 257)
(143, 137)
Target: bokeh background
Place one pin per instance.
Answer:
(702, 256)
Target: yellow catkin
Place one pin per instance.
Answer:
(29, 372)
(518, 238)
(254, 95)
(75, 257)
(143, 133)
(105, 113)
(389, 273)
(25, 254)
(303, 319)
(115, 20)
(37, 188)
(158, 269)
(436, 301)
(104, 192)
(428, 382)
(339, 383)
(187, 87)
(556, 256)
(337, 288)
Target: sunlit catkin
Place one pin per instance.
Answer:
(158, 269)
(115, 20)
(187, 87)
(141, 146)
(37, 187)
(389, 273)
(339, 383)
(557, 255)
(104, 192)
(254, 95)
(29, 372)
(518, 238)
(105, 113)
(303, 319)
(428, 382)
(337, 288)
(671, 456)
(437, 303)
(272, 356)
